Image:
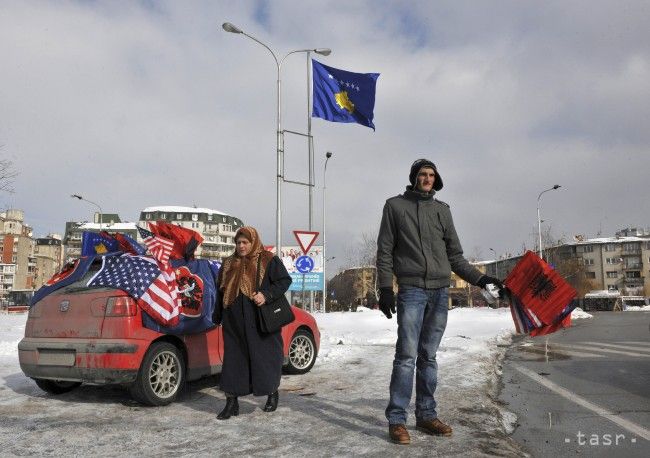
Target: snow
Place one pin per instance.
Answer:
(637, 308)
(579, 313)
(180, 209)
(337, 409)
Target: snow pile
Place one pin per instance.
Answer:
(637, 308)
(12, 329)
(579, 313)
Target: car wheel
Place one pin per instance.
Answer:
(161, 375)
(56, 386)
(302, 352)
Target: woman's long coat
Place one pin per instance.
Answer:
(252, 361)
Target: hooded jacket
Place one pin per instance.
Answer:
(418, 243)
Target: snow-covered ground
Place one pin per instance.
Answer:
(335, 410)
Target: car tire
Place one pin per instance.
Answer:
(161, 375)
(56, 386)
(302, 352)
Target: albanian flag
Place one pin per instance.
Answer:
(541, 301)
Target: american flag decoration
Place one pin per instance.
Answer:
(143, 279)
(159, 247)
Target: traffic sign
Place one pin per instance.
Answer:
(304, 264)
(305, 239)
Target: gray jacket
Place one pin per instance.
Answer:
(418, 243)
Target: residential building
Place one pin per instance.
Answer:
(16, 249)
(620, 263)
(110, 222)
(354, 287)
(217, 228)
(48, 254)
(463, 294)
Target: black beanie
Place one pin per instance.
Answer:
(419, 164)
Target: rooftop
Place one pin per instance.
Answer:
(180, 209)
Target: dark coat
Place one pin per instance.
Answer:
(252, 361)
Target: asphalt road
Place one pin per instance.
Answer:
(584, 390)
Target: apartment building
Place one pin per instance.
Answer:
(217, 228)
(16, 252)
(620, 263)
(110, 222)
(49, 255)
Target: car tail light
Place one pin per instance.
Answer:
(121, 306)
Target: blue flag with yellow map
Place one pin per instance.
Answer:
(342, 96)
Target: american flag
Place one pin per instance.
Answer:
(159, 247)
(144, 280)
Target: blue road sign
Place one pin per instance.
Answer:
(304, 264)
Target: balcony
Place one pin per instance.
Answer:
(633, 266)
(631, 252)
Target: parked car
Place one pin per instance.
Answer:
(95, 335)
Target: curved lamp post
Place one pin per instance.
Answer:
(77, 196)
(328, 155)
(228, 27)
(539, 220)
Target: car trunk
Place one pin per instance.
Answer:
(74, 311)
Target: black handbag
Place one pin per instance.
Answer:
(275, 314)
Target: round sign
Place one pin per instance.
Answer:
(304, 264)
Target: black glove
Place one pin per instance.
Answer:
(387, 301)
(486, 280)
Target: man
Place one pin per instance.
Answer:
(418, 244)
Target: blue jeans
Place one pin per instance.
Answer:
(421, 322)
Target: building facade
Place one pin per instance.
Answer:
(217, 228)
(17, 260)
(110, 222)
(49, 256)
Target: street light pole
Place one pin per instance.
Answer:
(77, 196)
(496, 263)
(228, 27)
(328, 155)
(539, 220)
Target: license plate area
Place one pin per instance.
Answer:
(48, 357)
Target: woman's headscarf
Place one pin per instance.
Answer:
(239, 273)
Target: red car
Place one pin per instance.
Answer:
(81, 335)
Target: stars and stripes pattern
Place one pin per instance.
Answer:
(159, 247)
(142, 278)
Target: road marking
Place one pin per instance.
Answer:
(607, 350)
(573, 397)
(645, 344)
(625, 347)
(578, 354)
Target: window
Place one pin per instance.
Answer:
(195, 217)
(612, 274)
(630, 247)
(209, 216)
(612, 287)
(163, 216)
(452, 284)
(613, 260)
(227, 227)
(590, 274)
(634, 274)
(610, 247)
(179, 216)
(588, 248)
(147, 216)
(647, 245)
(589, 262)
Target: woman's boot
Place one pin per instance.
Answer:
(231, 409)
(271, 402)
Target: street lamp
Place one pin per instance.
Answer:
(328, 155)
(228, 27)
(539, 220)
(496, 263)
(77, 196)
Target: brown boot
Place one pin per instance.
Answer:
(434, 427)
(399, 434)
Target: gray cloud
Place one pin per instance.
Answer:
(145, 104)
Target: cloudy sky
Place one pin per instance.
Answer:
(134, 104)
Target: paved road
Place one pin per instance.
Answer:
(584, 390)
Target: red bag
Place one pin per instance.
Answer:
(542, 299)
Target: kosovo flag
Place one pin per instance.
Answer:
(342, 96)
(93, 243)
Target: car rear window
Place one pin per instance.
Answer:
(81, 284)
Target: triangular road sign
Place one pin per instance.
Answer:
(305, 239)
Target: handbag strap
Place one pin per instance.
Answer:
(257, 274)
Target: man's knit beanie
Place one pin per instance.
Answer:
(419, 165)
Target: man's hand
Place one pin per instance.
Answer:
(387, 301)
(486, 280)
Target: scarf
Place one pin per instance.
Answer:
(239, 273)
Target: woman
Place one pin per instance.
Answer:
(252, 361)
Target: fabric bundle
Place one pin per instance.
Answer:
(541, 301)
